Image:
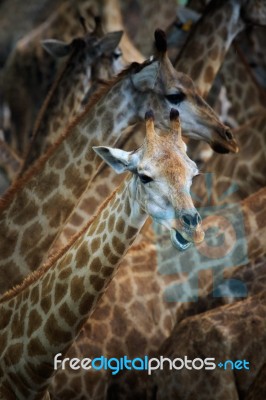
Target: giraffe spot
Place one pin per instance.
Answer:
(16, 326)
(209, 74)
(45, 244)
(66, 272)
(24, 209)
(34, 259)
(74, 181)
(135, 343)
(111, 222)
(60, 292)
(76, 288)
(47, 184)
(8, 239)
(5, 318)
(67, 314)
(57, 209)
(14, 353)
(131, 232)
(34, 295)
(34, 323)
(88, 170)
(120, 226)
(196, 69)
(97, 283)
(54, 334)
(10, 275)
(35, 348)
(107, 250)
(33, 231)
(83, 255)
(77, 143)
(101, 228)
(95, 265)
(46, 304)
(58, 162)
(107, 271)
(95, 245)
(118, 245)
(86, 303)
(102, 190)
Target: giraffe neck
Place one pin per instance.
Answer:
(61, 105)
(48, 310)
(221, 22)
(39, 204)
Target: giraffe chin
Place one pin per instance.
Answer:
(178, 241)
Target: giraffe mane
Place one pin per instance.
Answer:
(38, 164)
(35, 275)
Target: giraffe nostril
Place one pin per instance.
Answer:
(228, 134)
(191, 220)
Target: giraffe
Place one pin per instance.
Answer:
(123, 323)
(246, 96)
(39, 204)
(241, 113)
(225, 20)
(229, 25)
(64, 101)
(231, 332)
(60, 296)
(34, 82)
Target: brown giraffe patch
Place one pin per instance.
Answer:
(46, 304)
(95, 265)
(66, 272)
(58, 162)
(82, 256)
(66, 314)
(35, 348)
(14, 353)
(76, 288)
(95, 244)
(55, 214)
(118, 245)
(8, 242)
(86, 303)
(74, 181)
(101, 228)
(97, 283)
(131, 231)
(33, 232)
(46, 185)
(34, 295)
(209, 74)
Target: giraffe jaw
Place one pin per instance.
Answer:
(179, 241)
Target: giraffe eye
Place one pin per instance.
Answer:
(176, 98)
(145, 178)
(117, 54)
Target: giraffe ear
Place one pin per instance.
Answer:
(118, 159)
(109, 42)
(146, 78)
(56, 48)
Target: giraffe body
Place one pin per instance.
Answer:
(50, 307)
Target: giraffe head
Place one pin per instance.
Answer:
(162, 176)
(162, 87)
(95, 48)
